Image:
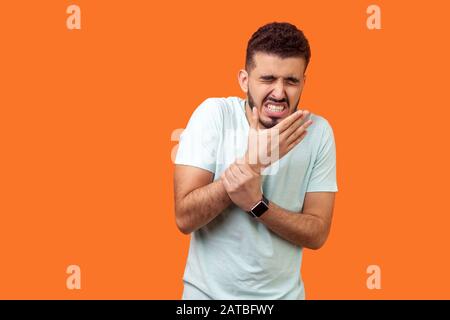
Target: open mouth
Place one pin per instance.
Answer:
(275, 110)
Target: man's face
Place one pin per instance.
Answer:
(275, 86)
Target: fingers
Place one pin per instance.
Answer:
(285, 135)
(255, 115)
(237, 173)
(246, 170)
(295, 125)
(254, 119)
(233, 173)
(253, 132)
(298, 132)
(286, 123)
(225, 181)
(297, 140)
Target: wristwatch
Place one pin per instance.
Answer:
(259, 208)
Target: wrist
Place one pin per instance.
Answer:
(255, 200)
(259, 208)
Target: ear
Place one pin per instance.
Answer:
(243, 80)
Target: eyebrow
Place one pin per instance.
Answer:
(272, 77)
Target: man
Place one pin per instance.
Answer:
(249, 223)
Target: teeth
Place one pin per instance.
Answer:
(275, 108)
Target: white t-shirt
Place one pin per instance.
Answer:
(235, 256)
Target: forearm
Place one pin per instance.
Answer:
(201, 206)
(302, 229)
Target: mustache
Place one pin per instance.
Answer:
(277, 101)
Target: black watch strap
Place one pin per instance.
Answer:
(261, 207)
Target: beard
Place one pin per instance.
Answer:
(272, 121)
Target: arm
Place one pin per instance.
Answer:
(198, 200)
(308, 229)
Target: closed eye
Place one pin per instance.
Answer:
(292, 80)
(267, 78)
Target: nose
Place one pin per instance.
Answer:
(278, 90)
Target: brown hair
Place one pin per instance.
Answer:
(279, 38)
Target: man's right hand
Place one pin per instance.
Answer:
(266, 146)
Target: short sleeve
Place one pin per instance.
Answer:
(323, 175)
(199, 141)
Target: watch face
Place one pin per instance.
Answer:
(259, 209)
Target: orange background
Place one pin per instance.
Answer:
(86, 118)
